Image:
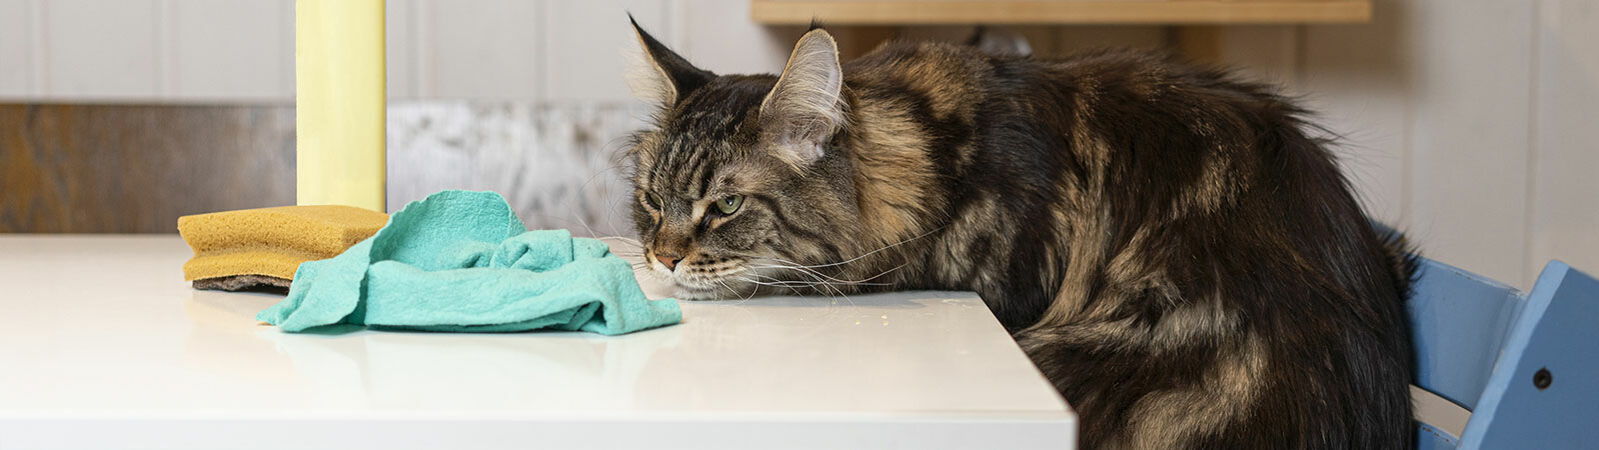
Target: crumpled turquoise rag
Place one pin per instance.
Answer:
(463, 261)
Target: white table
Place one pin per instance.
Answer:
(103, 345)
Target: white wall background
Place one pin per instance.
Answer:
(1470, 123)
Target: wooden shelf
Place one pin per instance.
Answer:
(1175, 12)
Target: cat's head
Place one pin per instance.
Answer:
(738, 174)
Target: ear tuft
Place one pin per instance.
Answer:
(645, 79)
(806, 106)
(657, 74)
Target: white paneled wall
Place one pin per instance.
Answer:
(147, 50)
(16, 53)
(478, 49)
(1455, 134)
(583, 44)
(400, 35)
(243, 50)
(229, 49)
(1563, 219)
(1470, 123)
(717, 35)
(1470, 130)
(101, 49)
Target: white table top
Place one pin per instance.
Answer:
(102, 344)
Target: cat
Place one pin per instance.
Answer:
(1170, 245)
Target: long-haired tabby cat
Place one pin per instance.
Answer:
(1167, 243)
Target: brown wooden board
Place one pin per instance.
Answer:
(136, 169)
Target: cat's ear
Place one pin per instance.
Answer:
(806, 107)
(656, 73)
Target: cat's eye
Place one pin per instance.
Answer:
(729, 204)
(653, 200)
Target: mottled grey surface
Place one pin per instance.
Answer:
(558, 165)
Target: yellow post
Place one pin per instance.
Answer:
(339, 103)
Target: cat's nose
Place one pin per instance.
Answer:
(669, 260)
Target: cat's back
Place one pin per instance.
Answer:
(946, 80)
(944, 71)
(958, 88)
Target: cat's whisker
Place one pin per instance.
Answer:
(830, 283)
(870, 253)
(750, 296)
(862, 281)
(725, 286)
(781, 283)
(784, 284)
(812, 274)
(735, 292)
(880, 274)
(791, 289)
(818, 285)
(824, 288)
(779, 263)
(808, 272)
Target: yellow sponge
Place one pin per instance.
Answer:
(239, 249)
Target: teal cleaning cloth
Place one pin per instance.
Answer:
(463, 261)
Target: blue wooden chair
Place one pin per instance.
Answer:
(1499, 369)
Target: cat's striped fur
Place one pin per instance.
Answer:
(1166, 242)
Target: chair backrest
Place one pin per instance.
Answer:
(1459, 321)
(1480, 345)
(1544, 391)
